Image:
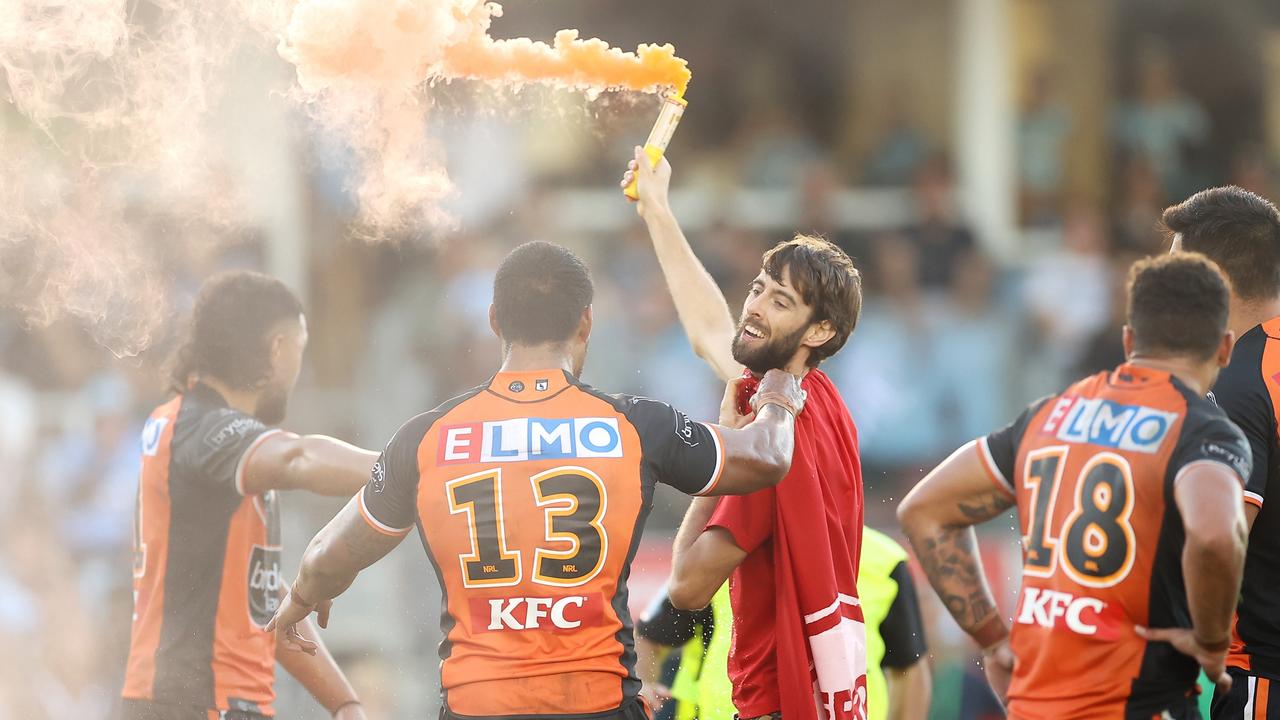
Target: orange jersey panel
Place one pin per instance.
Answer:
(206, 563)
(531, 495)
(1092, 471)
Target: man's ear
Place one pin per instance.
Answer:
(819, 334)
(584, 324)
(1126, 339)
(1224, 349)
(493, 321)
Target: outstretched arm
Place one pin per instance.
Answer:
(320, 675)
(317, 463)
(700, 304)
(344, 547)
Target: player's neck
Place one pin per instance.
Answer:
(527, 358)
(1248, 314)
(1192, 374)
(246, 401)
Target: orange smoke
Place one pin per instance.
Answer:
(580, 64)
(362, 65)
(570, 62)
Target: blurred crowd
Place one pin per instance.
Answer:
(950, 344)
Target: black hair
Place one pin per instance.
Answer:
(1238, 230)
(228, 338)
(539, 294)
(1178, 305)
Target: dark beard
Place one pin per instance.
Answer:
(775, 354)
(273, 404)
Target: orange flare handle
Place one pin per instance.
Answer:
(660, 136)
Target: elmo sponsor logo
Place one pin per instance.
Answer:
(565, 613)
(521, 439)
(1057, 610)
(1101, 422)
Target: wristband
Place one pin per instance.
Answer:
(339, 708)
(990, 632)
(298, 599)
(773, 398)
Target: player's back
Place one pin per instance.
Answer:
(1249, 391)
(1093, 472)
(531, 493)
(206, 564)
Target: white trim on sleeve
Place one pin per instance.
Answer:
(243, 464)
(990, 461)
(375, 522)
(715, 475)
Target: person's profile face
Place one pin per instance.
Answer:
(773, 324)
(288, 347)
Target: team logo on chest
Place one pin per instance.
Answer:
(521, 439)
(265, 584)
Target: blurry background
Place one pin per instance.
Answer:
(993, 167)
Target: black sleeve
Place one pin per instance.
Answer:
(1000, 448)
(903, 628)
(662, 623)
(1208, 435)
(1242, 394)
(681, 453)
(389, 500)
(219, 447)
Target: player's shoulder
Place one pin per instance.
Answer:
(209, 426)
(416, 428)
(1244, 377)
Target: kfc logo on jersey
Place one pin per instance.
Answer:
(1109, 424)
(522, 439)
(1058, 610)
(541, 613)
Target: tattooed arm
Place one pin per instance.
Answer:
(344, 547)
(938, 516)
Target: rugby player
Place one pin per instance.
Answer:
(801, 309)
(207, 575)
(1241, 232)
(530, 493)
(1128, 489)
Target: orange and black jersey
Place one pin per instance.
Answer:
(530, 494)
(1249, 391)
(206, 563)
(1092, 471)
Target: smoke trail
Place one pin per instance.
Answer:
(362, 63)
(105, 109)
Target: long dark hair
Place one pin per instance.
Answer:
(227, 337)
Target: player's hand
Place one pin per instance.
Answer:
(656, 694)
(285, 623)
(997, 665)
(351, 711)
(652, 182)
(729, 415)
(780, 385)
(1213, 659)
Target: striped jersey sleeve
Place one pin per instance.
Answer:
(999, 450)
(388, 501)
(682, 453)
